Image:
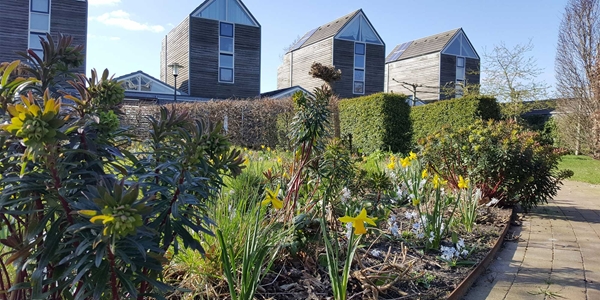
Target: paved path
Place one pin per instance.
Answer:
(557, 255)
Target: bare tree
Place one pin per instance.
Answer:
(577, 75)
(511, 76)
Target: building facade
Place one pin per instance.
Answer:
(350, 44)
(24, 22)
(219, 47)
(439, 66)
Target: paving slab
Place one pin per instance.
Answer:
(557, 255)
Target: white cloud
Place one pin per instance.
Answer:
(122, 19)
(103, 2)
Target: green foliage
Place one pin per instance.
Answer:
(502, 159)
(429, 118)
(377, 122)
(105, 92)
(87, 219)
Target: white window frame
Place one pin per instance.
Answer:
(38, 32)
(232, 53)
(459, 83)
(355, 68)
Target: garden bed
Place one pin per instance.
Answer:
(419, 274)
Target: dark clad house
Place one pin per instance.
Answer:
(219, 46)
(350, 44)
(23, 22)
(441, 62)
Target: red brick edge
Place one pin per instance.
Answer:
(466, 284)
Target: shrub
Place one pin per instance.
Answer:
(459, 112)
(502, 159)
(376, 122)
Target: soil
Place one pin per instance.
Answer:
(386, 268)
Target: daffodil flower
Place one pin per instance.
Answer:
(359, 221)
(462, 183)
(424, 174)
(412, 155)
(271, 197)
(391, 165)
(279, 160)
(437, 181)
(405, 161)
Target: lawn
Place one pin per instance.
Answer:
(585, 168)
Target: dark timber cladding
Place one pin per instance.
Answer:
(447, 75)
(204, 61)
(14, 26)
(177, 48)
(69, 17)
(343, 59)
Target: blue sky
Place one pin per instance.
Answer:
(125, 35)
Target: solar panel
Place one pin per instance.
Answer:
(303, 39)
(396, 54)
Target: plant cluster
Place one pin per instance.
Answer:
(503, 161)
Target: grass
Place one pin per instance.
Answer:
(585, 168)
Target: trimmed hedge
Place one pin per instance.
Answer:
(460, 112)
(377, 122)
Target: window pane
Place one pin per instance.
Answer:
(460, 73)
(460, 62)
(359, 87)
(359, 75)
(40, 53)
(359, 61)
(215, 10)
(351, 31)
(40, 6)
(227, 29)
(236, 14)
(226, 44)
(225, 74)
(34, 41)
(226, 61)
(39, 22)
(359, 48)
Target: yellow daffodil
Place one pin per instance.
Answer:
(416, 201)
(286, 175)
(245, 149)
(279, 160)
(269, 149)
(359, 221)
(405, 161)
(391, 165)
(271, 197)
(412, 155)
(262, 146)
(392, 158)
(437, 181)
(424, 174)
(462, 183)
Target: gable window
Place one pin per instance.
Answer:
(460, 76)
(359, 30)
(226, 52)
(360, 50)
(231, 11)
(39, 24)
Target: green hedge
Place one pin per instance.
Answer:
(460, 112)
(377, 122)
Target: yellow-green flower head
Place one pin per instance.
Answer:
(416, 201)
(32, 124)
(424, 174)
(359, 221)
(462, 183)
(271, 197)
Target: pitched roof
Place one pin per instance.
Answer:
(279, 92)
(157, 81)
(206, 3)
(426, 45)
(325, 31)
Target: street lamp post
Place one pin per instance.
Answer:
(175, 67)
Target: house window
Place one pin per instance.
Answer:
(359, 68)
(39, 24)
(460, 76)
(226, 52)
